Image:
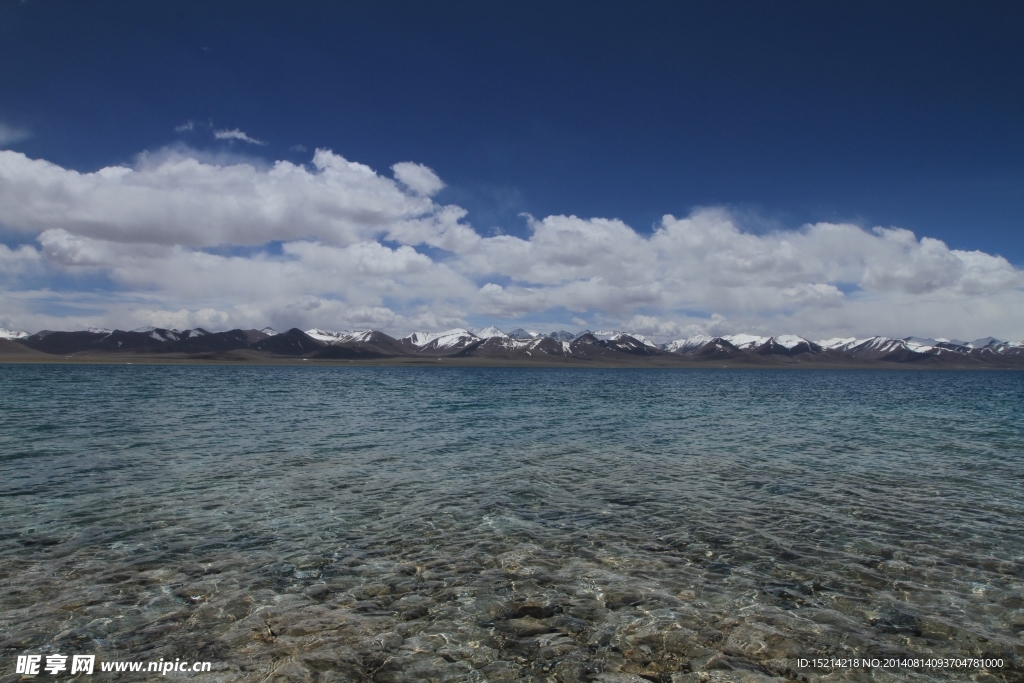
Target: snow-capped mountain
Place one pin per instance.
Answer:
(605, 346)
(688, 344)
(789, 345)
(907, 349)
(449, 340)
(993, 344)
(159, 334)
(489, 332)
(745, 342)
(790, 341)
(361, 335)
(878, 347)
(839, 343)
(326, 336)
(611, 335)
(984, 342)
(786, 344)
(332, 337)
(506, 343)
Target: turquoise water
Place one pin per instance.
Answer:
(401, 524)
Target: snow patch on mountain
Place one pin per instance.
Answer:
(789, 341)
(489, 333)
(327, 336)
(12, 334)
(613, 335)
(993, 344)
(159, 334)
(882, 345)
(745, 342)
(515, 344)
(445, 340)
(269, 331)
(688, 344)
(920, 345)
(520, 333)
(332, 337)
(839, 343)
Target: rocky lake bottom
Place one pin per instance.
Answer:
(413, 525)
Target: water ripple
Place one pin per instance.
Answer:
(400, 524)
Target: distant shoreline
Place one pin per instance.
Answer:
(681, 362)
(461, 348)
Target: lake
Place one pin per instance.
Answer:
(499, 524)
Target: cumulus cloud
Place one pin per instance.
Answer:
(177, 198)
(308, 283)
(21, 260)
(10, 134)
(235, 134)
(417, 178)
(186, 239)
(706, 261)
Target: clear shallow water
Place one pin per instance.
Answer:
(399, 524)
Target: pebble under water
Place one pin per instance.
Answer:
(413, 524)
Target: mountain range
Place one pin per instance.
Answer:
(492, 345)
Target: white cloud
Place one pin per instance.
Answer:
(235, 134)
(185, 127)
(183, 237)
(20, 261)
(417, 178)
(308, 283)
(207, 318)
(175, 198)
(705, 261)
(686, 326)
(10, 134)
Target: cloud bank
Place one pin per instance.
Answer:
(180, 240)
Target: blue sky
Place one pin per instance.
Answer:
(769, 116)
